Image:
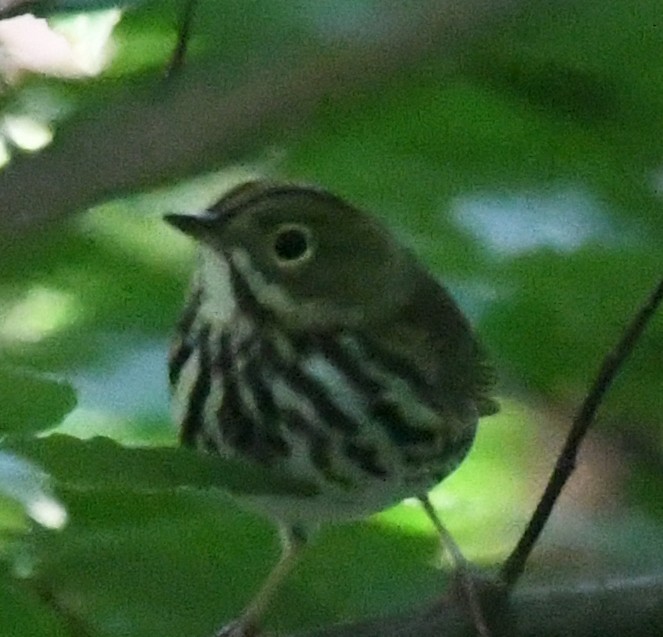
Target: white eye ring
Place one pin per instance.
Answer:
(292, 244)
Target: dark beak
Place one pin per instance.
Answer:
(197, 225)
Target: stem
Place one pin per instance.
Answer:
(566, 462)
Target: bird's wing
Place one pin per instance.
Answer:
(433, 342)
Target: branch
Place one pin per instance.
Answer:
(195, 123)
(610, 608)
(566, 462)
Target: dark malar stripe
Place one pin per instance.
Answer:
(329, 412)
(245, 298)
(193, 420)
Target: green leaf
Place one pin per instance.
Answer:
(32, 403)
(103, 463)
(185, 563)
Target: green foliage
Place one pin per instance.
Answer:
(32, 403)
(137, 557)
(102, 463)
(24, 614)
(522, 164)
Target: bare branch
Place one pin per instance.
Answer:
(566, 462)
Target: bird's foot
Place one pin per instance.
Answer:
(483, 596)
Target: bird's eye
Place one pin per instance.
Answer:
(292, 244)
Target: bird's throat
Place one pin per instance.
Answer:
(218, 304)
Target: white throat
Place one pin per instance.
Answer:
(218, 302)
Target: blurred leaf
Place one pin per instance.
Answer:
(130, 559)
(565, 315)
(102, 463)
(31, 403)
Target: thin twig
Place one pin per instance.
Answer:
(613, 362)
(179, 54)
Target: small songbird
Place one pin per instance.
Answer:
(315, 345)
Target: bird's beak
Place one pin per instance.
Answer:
(197, 225)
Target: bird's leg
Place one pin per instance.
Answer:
(293, 539)
(461, 566)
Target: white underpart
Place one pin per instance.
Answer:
(218, 303)
(268, 294)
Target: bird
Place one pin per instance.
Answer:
(316, 345)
